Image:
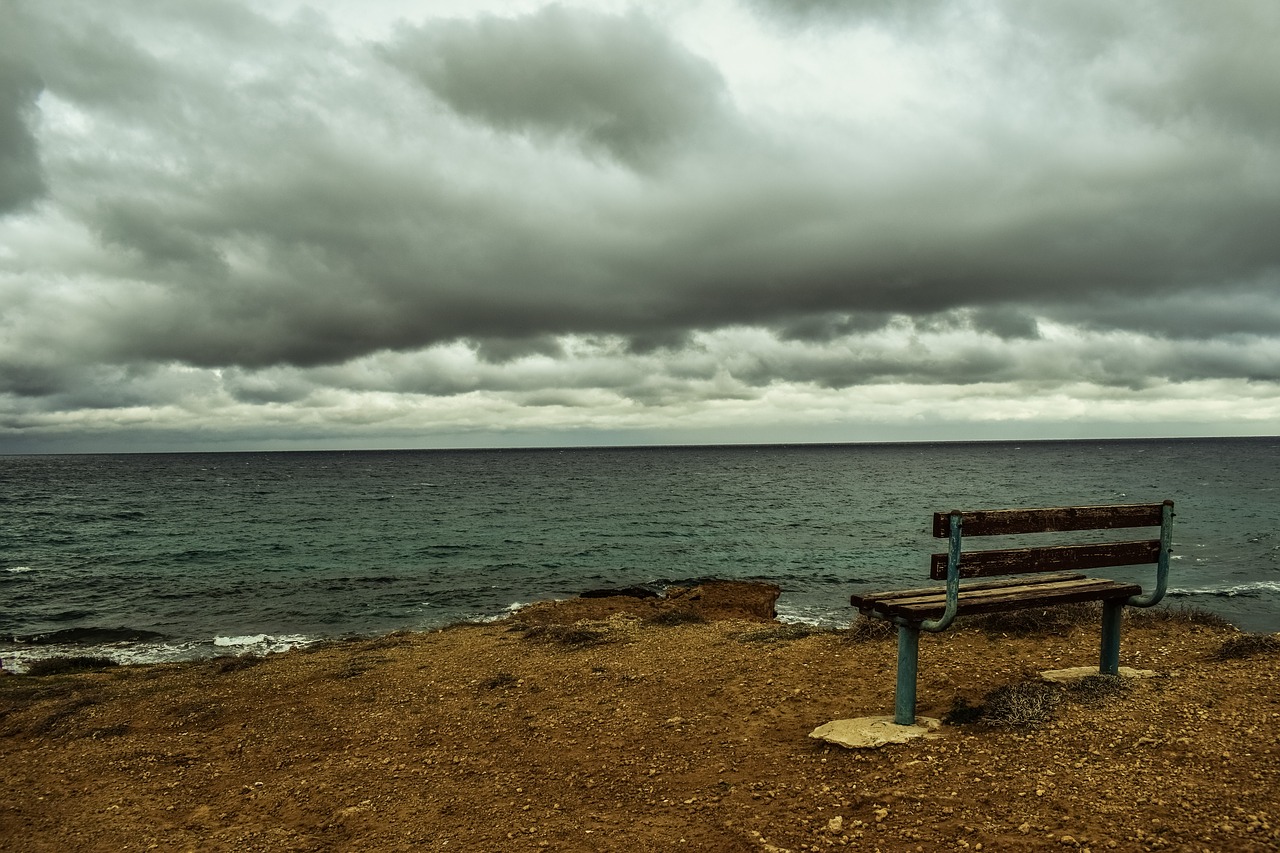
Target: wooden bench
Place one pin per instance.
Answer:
(1059, 581)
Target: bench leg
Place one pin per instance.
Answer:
(904, 702)
(1109, 660)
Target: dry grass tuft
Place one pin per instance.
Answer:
(1247, 646)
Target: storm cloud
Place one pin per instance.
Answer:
(21, 180)
(616, 84)
(541, 222)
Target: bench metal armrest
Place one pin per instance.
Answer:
(1162, 563)
(953, 579)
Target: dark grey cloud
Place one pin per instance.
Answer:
(160, 242)
(266, 386)
(50, 389)
(21, 176)
(617, 84)
(573, 205)
(81, 52)
(838, 12)
(1226, 311)
(356, 251)
(26, 377)
(1189, 64)
(1006, 322)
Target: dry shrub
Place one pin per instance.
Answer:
(781, 634)
(1247, 646)
(1182, 615)
(1038, 621)
(68, 663)
(1063, 618)
(869, 628)
(236, 663)
(1032, 703)
(1022, 705)
(1096, 689)
(574, 636)
(500, 680)
(676, 616)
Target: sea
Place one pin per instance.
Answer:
(162, 557)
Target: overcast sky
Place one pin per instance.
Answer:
(239, 224)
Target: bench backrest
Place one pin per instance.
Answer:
(1053, 558)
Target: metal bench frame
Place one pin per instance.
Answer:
(934, 609)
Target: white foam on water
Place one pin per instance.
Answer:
(262, 643)
(18, 570)
(506, 613)
(248, 640)
(1244, 589)
(18, 659)
(813, 616)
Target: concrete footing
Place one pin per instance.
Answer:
(1076, 673)
(874, 732)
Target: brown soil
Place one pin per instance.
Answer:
(627, 735)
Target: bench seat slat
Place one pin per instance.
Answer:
(1008, 598)
(1066, 596)
(1008, 593)
(866, 600)
(994, 522)
(1052, 558)
(968, 593)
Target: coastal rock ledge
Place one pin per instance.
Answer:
(749, 601)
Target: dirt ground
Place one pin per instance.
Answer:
(624, 734)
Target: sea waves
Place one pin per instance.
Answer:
(1251, 589)
(130, 646)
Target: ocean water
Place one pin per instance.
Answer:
(178, 556)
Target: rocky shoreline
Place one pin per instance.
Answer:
(619, 723)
